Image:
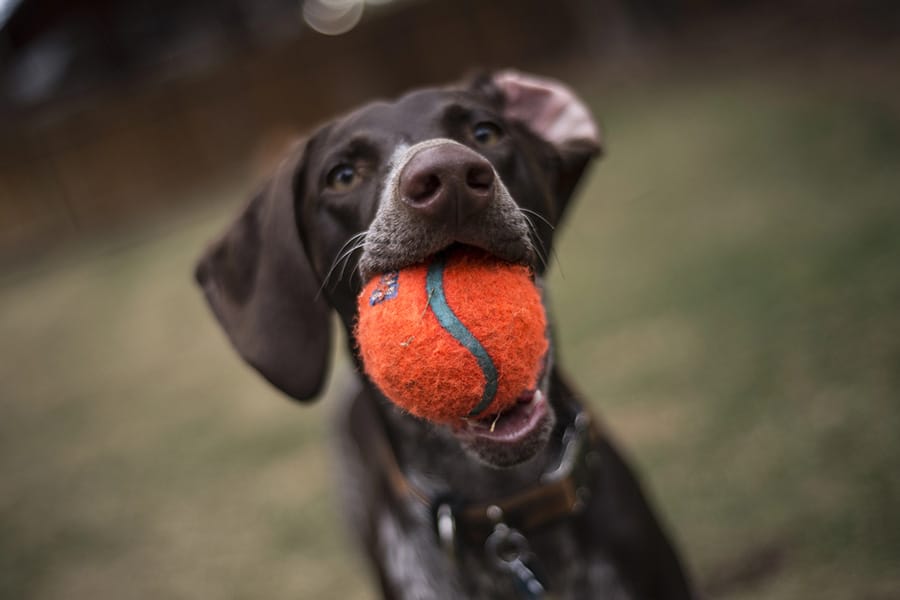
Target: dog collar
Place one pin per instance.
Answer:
(559, 493)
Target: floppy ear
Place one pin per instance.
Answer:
(262, 289)
(555, 114)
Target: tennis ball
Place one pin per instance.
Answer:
(460, 336)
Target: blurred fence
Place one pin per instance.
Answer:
(86, 160)
(153, 133)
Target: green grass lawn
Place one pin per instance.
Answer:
(728, 295)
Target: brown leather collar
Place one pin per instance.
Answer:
(559, 493)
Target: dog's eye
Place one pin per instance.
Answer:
(343, 177)
(487, 133)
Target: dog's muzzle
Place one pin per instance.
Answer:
(439, 192)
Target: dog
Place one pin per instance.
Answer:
(534, 502)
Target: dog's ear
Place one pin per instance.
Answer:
(555, 114)
(263, 291)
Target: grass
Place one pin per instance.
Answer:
(731, 295)
(728, 297)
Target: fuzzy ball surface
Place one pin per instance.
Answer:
(461, 336)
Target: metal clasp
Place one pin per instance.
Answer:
(508, 549)
(577, 456)
(573, 444)
(446, 529)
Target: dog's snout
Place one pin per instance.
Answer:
(447, 182)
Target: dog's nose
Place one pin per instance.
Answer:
(447, 182)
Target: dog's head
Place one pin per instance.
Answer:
(491, 164)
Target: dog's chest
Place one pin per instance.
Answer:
(416, 568)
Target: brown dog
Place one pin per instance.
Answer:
(518, 505)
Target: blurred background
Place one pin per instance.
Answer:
(727, 287)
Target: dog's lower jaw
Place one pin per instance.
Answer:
(504, 452)
(508, 446)
(495, 451)
(486, 452)
(505, 449)
(497, 455)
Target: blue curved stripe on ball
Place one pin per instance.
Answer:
(434, 287)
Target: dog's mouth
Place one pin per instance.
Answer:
(486, 250)
(512, 425)
(514, 435)
(511, 249)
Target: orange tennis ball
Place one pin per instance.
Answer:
(461, 336)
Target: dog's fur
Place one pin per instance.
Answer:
(278, 272)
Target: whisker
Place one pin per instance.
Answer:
(538, 215)
(529, 221)
(525, 212)
(347, 256)
(338, 261)
(538, 245)
(340, 256)
(558, 263)
(344, 258)
(331, 269)
(351, 240)
(555, 255)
